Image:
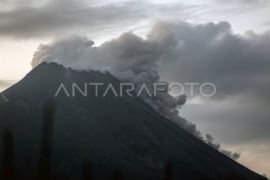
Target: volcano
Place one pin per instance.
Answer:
(115, 134)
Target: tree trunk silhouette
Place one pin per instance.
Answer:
(117, 175)
(44, 166)
(8, 155)
(168, 174)
(87, 171)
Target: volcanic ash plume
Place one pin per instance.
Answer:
(130, 58)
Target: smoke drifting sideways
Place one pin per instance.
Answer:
(131, 59)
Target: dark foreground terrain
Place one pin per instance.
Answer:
(47, 137)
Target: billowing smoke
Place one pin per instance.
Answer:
(210, 140)
(130, 58)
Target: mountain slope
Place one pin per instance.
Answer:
(114, 133)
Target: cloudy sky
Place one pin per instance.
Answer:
(223, 42)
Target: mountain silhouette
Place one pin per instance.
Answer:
(115, 136)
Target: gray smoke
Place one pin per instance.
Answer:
(210, 140)
(131, 59)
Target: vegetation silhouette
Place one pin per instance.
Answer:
(45, 159)
(8, 155)
(44, 167)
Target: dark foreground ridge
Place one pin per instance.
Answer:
(47, 137)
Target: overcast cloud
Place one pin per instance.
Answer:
(47, 19)
(53, 18)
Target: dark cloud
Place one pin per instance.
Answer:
(232, 122)
(59, 17)
(238, 65)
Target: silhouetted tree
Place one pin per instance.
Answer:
(87, 170)
(8, 155)
(44, 166)
(117, 175)
(168, 171)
